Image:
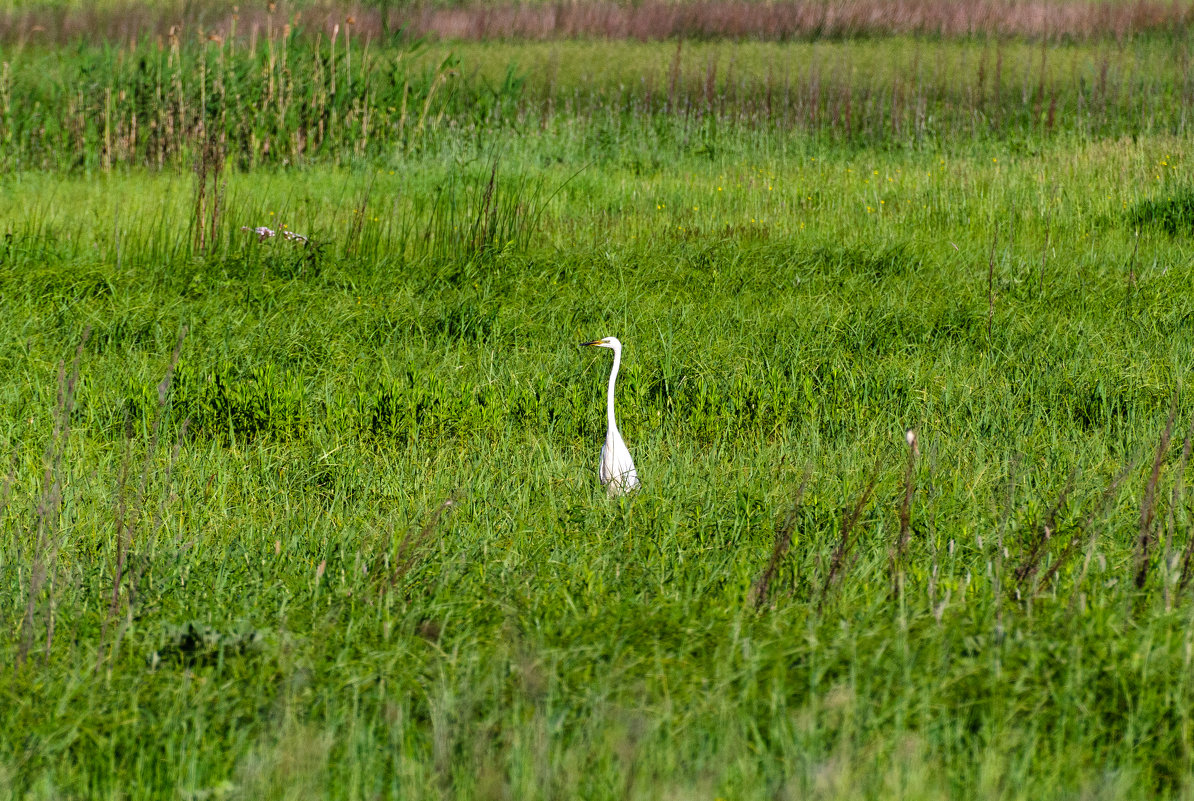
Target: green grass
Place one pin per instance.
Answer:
(300, 615)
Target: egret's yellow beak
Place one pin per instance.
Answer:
(594, 342)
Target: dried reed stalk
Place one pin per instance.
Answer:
(760, 593)
(1044, 532)
(1089, 525)
(1179, 488)
(128, 521)
(991, 285)
(1148, 534)
(409, 549)
(837, 562)
(1040, 288)
(905, 535)
(47, 542)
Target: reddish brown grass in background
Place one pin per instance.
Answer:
(648, 20)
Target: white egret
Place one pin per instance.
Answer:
(617, 468)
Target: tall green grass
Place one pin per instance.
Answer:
(349, 542)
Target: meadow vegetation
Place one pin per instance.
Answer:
(319, 517)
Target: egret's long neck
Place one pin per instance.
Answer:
(613, 376)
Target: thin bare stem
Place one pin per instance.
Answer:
(837, 562)
(783, 541)
(1045, 250)
(1044, 532)
(1179, 488)
(991, 285)
(905, 535)
(47, 543)
(1148, 534)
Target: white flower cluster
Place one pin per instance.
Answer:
(265, 233)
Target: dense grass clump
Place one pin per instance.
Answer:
(298, 495)
(1173, 214)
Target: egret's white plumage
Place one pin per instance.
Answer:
(617, 468)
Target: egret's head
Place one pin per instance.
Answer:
(608, 342)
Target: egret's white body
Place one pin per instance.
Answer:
(617, 468)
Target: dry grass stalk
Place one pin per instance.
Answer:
(484, 223)
(1040, 289)
(1089, 525)
(1179, 488)
(991, 284)
(209, 168)
(128, 521)
(841, 553)
(47, 541)
(1148, 533)
(352, 241)
(905, 535)
(1009, 504)
(675, 76)
(761, 591)
(409, 550)
(1132, 269)
(1044, 533)
(1187, 555)
(9, 479)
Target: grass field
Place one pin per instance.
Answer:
(287, 519)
